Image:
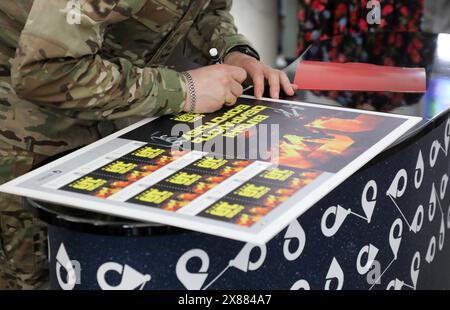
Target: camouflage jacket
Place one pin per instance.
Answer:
(68, 66)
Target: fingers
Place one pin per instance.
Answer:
(276, 79)
(255, 70)
(259, 73)
(286, 84)
(236, 89)
(238, 74)
(230, 99)
(274, 82)
(258, 83)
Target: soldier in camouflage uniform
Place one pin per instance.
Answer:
(70, 68)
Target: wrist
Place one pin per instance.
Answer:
(187, 102)
(245, 50)
(237, 58)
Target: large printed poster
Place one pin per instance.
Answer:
(242, 173)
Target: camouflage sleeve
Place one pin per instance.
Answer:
(215, 28)
(58, 64)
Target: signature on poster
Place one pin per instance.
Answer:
(166, 140)
(289, 111)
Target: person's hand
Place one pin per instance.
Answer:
(215, 86)
(260, 73)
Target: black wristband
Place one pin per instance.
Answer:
(245, 49)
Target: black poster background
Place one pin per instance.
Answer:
(290, 119)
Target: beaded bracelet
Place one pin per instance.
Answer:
(191, 89)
